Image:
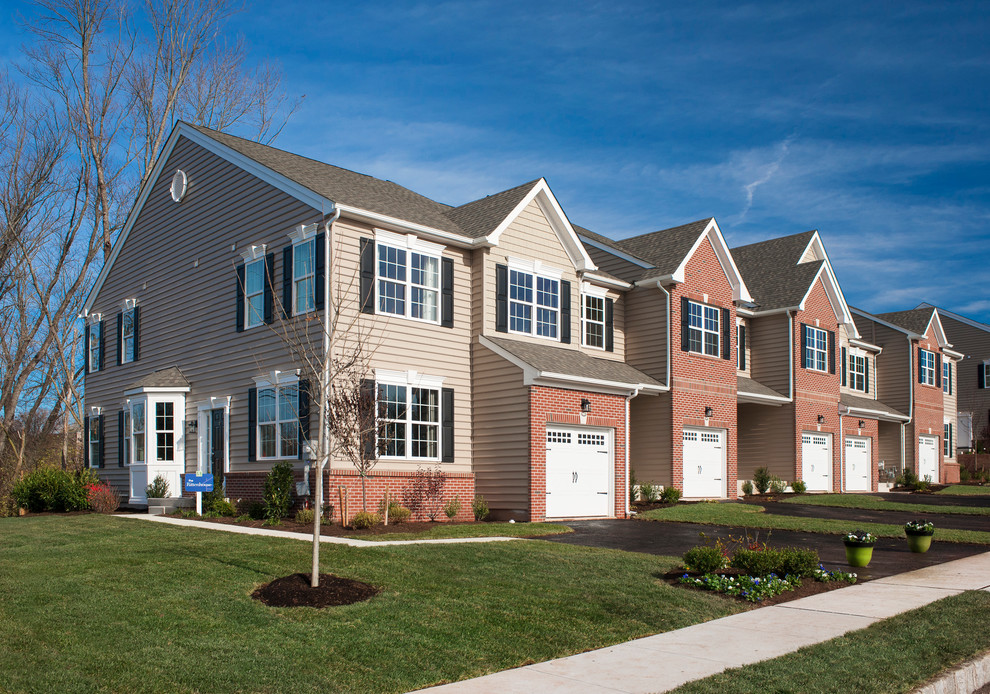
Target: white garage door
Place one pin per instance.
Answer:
(579, 476)
(816, 461)
(704, 463)
(928, 458)
(859, 464)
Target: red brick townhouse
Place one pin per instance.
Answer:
(808, 406)
(917, 370)
(494, 345)
(681, 328)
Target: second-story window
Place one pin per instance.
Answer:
(858, 372)
(254, 292)
(593, 321)
(947, 377)
(816, 348)
(534, 304)
(127, 336)
(704, 329)
(303, 277)
(926, 367)
(408, 283)
(94, 347)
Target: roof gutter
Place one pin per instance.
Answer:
(845, 410)
(411, 227)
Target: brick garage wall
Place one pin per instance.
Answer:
(816, 393)
(561, 406)
(699, 381)
(929, 405)
(870, 429)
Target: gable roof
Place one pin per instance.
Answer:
(916, 320)
(955, 316)
(482, 217)
(666, 249)
(169, 377)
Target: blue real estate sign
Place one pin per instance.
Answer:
(199, 482)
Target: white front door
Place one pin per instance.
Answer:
(578, 475)
(704, 463)
(859, 464)
(816, 461)
(928, 458)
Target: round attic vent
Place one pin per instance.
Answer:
(179, 185)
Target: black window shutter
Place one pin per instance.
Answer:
(120, 338)
(565, 311)
(252, 424)
(981, 376)
(609, 325)
(303, 414)
(866, 364)
(269, 288)
(367, 276)
(120, 439)
(85, 441)
(831, 351)
(320, 269)
(447, 292)
(137, 333)
(103, 330)
(85, 352)
(949, 374)
(742, 347)
(368, 397)
(239, 307)
(845, 360)
(685, 341)
(502, 298)
(920, 372)
(102, 440)
(447, 426)
(726, 334)
(952, 450)
(287, 281)
(938, 370)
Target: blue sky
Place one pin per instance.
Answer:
(867, 121)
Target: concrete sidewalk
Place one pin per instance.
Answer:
(666, 661)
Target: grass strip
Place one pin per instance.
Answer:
(752, 516)
(876, 503)
(443, 532)
(95, 603)
(964, 490)
(893, 655)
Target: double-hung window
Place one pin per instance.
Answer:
(165, 431)
(94, 439)
(125, 432)
(593, 321)
(534, 304)
(409, 282)
(947, 440)
(254, 292)
(816, 349)
(947, 377)
(409, 424)
(926, 366)
(94, 347)
(278, 421)
(137, 431)
(304, 276)
(704, 329)
(128, 324)
(858, 370)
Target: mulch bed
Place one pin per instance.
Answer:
(295, 591)
(809, 586)
(336, 530)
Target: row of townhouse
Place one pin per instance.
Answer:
(536, 362)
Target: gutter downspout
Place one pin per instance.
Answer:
(790, 361)
(626, 492)
(667, 295)
(911, 378)
(842, 456)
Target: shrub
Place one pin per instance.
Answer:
(363, 520)
(761, 480)
(799, 562)
(243, 518)
(777, 485)
(704, 559)
(306, 516)
(747, 488)
(102, 498)
(452, 507)
(256, 510)
(923, 485)
(964, 475)
(907, 479)
(757, 562)
(799, 487)
(670, 495)
(647, 492)
(158, 489)
(632, 487)
(480, 508)
(278, 491)
(54, 489)
(215, 505)
(425, 493)
(398, 514)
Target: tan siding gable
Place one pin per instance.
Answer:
(770, 351)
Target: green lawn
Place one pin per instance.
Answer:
(895, 655)
(95, 603)
(486, 530)
(965, 490)
(751, 516)
(876, 503)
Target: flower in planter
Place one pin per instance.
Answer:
(919, 527)
(860, 537)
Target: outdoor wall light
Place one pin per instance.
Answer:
(709, 412)
(585, 405)
(192, 426)
(821, 419)
(862, 424)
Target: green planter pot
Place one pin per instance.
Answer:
(919, 543)
(858, 554)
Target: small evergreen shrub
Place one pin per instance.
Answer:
(800, 562)
(632, 487)
(761, 480)
(787, 561)
(158, 489)
(243, 518)
(799, 487)
(452, 507)
(777, 485)
(964, 474)
(480, 508)
(747, 488)
(278, 491)
(256, 510)
(53, 489)
(102, 498)
(306, 516)
(363, 520)
(398, 514)
(704, 559)
(670, 495)
(647, 492)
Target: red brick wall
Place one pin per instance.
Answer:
(816, 393)
(850, 427)
(561, 406)
(697, 380)
(929, 403)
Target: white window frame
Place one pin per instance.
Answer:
(249, 313)
(139, 433)
(166, 436)
(927, 365)
(947, 376)
(947, 437)
(588, 294)
(407, 382)
(530, 305)
(853, 374)
(740, 348)
(700, 330)
(301, 278)
(93, 441)
(127, 436)
(815, 357)
(93, 353)
(277, 382)
(986, 374)
(126, 357)
(410, 248)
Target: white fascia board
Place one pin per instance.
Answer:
(658, 280)
(551, 209)
(612, 282)
(145, 389)
(732, 274)
(840, 309)
(869, 346)
(953, 353)
(940, 335)
(871, 414)
(617, 253)
(748, 313)
(760, 399)
(402, 225)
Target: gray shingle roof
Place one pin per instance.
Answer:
(916, 320)
(170, 377)
(868, 404)
(665, 249)
(482, 217)
(748, 385)
(571, 362)
(771, 271)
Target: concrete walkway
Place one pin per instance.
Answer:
(666, 661)
(307, 537)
